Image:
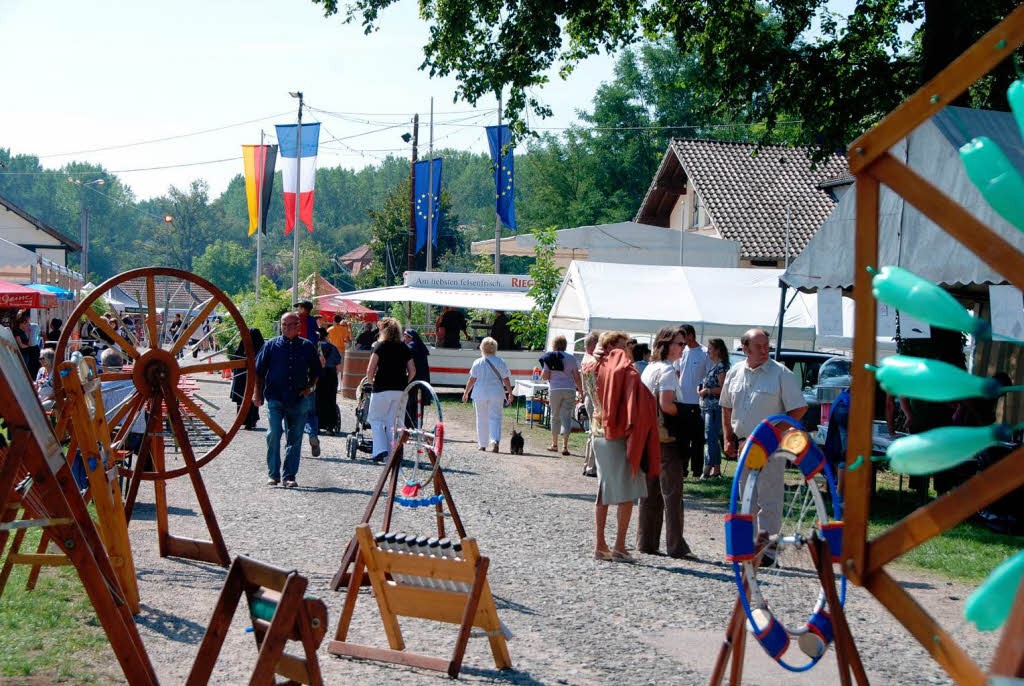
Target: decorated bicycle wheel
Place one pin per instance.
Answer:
(166, 360)
(775, 574)
(419, 429)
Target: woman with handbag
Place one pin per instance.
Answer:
(664, 501)
(625, 442)
(490, 388)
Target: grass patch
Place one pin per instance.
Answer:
(51, 631)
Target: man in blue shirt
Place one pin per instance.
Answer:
(287, 369)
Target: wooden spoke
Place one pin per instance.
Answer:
(213, 366)
(132, 411)
(102, 324)
(115, 376)
(199, 412)
(151, 328)
(183, 337)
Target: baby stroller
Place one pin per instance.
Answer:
(357, 441)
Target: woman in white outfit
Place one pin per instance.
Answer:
(490, 386)
(390, 369)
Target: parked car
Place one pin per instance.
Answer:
(808, 366)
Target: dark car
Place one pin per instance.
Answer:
(805, 364)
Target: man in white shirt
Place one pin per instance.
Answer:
(692, 367)
(753, 390)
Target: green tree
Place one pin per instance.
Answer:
(192, 228)
(262, 314)
(532, 327)
(764, 58)
(228, 265)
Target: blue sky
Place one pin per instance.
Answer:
(81, 76)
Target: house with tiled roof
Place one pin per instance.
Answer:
(738, 192)
(30, 232)
(357, 259)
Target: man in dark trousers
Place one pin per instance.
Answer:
(287, 369)
(692, 367)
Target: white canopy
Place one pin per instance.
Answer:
(642, 298)
(21, 265)
(509, 301)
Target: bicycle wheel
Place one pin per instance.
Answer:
(419, 430)
(774, 571)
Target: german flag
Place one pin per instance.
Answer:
(259, 182)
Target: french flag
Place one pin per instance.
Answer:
(292, 162)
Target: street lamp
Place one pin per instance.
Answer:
(84, 221)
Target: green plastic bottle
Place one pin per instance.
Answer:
(989, 605)
(917, 377)
(1015, 96)
(908, 292)
(943, 448)
(999, 182)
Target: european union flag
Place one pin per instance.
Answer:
(422, 188)
(504, 175)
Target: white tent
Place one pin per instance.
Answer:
(477, 291)
(624, 243)
(642, 298)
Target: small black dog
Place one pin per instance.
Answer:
(516, 443)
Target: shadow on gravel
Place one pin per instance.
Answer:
(170, 626)
(505, 604)
(588, 497)
(917, 584)
(380, 465)
(331, 489)
(508, 676)
(146, 512)
(689, 571)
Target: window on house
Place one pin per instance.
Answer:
(695, 222)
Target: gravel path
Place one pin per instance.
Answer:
(575, 620)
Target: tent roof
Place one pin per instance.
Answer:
(624, 243)
(643, 298)
(906, 237)
(13, 295)
(509, 301)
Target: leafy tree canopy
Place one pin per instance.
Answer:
(768, 59)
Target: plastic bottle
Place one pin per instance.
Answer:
(908, 292)
(989, 604)
(536, 374)
(943, 448)
(917, 377)
(999, 182)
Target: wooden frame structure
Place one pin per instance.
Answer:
(734, 645)
(155, 373)
(389, 477)
(865, 560)
(84, 415)
(279, 613)
(33, 466)
(437, 588)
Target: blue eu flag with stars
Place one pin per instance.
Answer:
(504, 175)
(422, 188)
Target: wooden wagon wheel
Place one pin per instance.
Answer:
(157, 374)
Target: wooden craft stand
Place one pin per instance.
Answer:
(276, 593)
(864, 561)
(391, 469)
(471, 607)
(846, 650)
(34, 467)
(215, 550)
(89, 433)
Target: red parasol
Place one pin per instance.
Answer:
(15, 296)
(336, 305)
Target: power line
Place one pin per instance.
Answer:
(161, 140)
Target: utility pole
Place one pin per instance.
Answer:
(430, 195)
(259, 222)
(85, 236)
(298, 204)
(412, 192)
(499, 182)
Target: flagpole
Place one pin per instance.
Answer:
(497, 196)
(298, 203)
(259, 220)
(430, 195)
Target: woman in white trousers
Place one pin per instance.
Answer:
(489, 386)
(390, 368)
